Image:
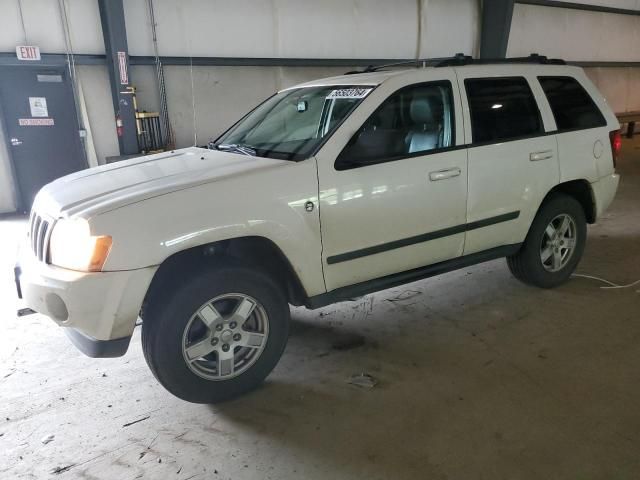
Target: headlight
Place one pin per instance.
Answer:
(72, 246)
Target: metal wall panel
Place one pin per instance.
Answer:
(221, 95)
(304, 28)
(619, 86)
(44, 27)
(574, 34)
(97, 96)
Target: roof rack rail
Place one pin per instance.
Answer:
(420, 62)
(460, 59)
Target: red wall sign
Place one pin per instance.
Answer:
(122, 66)
(28, 52)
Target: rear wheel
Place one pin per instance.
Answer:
(554, 244)
(216, 336)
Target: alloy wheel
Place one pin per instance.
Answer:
(225, 336)
(558, 242)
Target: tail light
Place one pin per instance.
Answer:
(616, 143)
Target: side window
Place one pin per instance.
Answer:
(414, 120)
(571, 105)
(502, 109)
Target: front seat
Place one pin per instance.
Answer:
(425, 132)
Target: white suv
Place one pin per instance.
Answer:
(328, 190)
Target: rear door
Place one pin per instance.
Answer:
(41, 125)
(512, 154)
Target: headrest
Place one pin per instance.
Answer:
(420, 110)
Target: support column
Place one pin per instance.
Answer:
(117, 58)
(496, 24)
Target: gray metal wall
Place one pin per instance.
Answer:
(585, 36)
(251, 28)
(205, 103)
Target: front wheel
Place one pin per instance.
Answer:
(218, 335)
(554, 244)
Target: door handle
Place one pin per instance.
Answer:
(544, 155)
(444, 174)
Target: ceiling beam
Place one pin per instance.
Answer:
(579, 6)
(55, 59)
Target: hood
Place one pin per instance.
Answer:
(101, 189)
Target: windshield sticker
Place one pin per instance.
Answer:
(350, 93)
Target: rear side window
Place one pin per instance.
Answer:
(502, 109)
(572, 107)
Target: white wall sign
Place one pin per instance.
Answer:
(122, 66)
(38, 107)
(36, 122)
(28, 52)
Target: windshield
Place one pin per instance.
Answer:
(293, 123)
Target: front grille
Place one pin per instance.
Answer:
(39, 234)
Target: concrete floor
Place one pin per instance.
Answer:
(479, 377)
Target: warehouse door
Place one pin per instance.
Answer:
(41, 127)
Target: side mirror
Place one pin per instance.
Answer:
(367, 146)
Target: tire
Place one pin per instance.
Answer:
(175, 329)
(528, 266)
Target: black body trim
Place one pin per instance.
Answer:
(425, 237)
(98, 348)
(396, 279)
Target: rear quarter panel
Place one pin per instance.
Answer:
(585, 154)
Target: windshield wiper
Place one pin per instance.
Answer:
(235, 147)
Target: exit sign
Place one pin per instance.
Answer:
(28, 52)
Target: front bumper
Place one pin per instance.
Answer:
(98, 309)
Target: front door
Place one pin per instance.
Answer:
(395, 197)
(41, 126)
